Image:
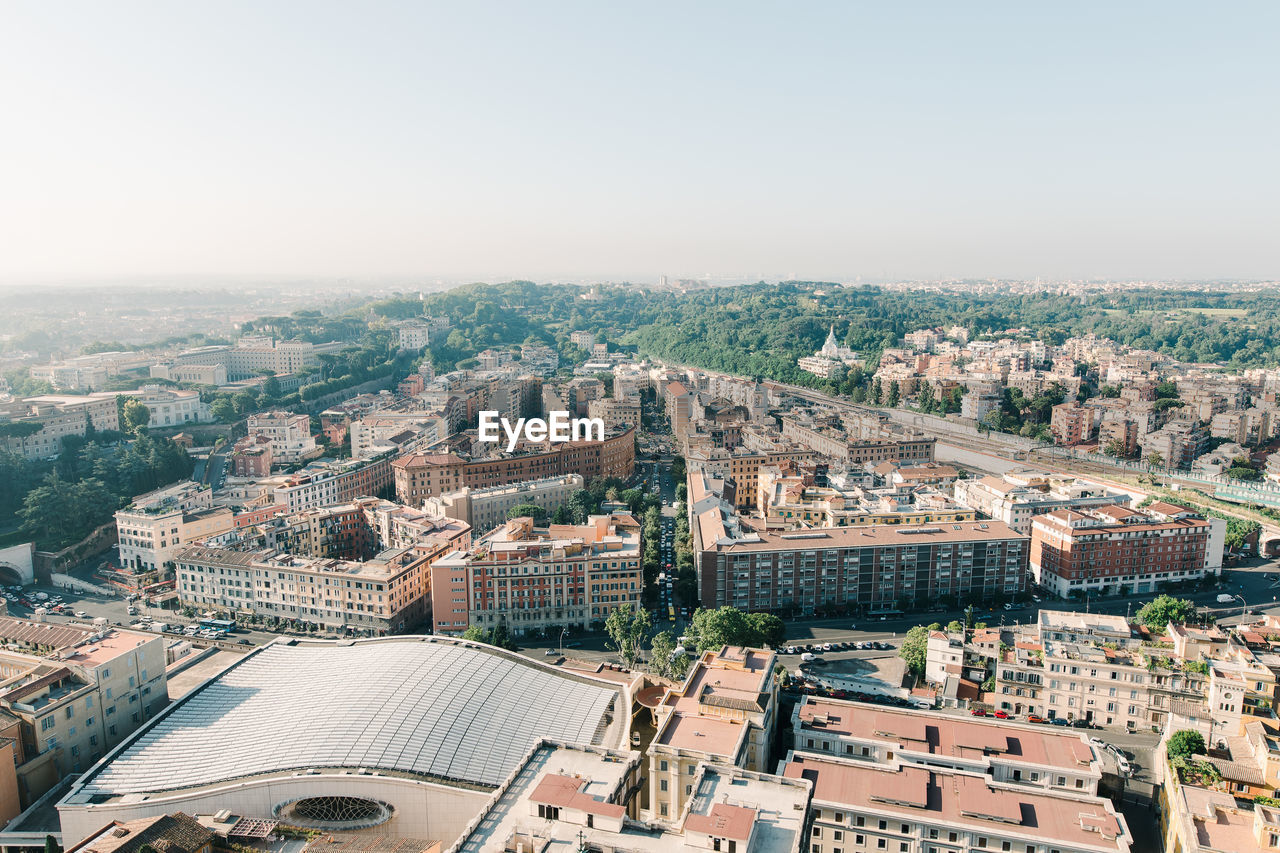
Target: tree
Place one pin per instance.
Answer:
(955, 626)
(1165, 609)
(1155, 459)
(51, 845)
(1115, 447)
(729, 626)
(661, 650)
(1185, 742)
(533, 511)
(915, 649)
(926, 400)
(627, 627)
(134, 415)
(769, 629)
(894, 394)
(223, 409)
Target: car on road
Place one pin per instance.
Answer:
(808, 657)
(1001, 715)
(1125, 768)
(1035, 718)
(1098, 742)
(549, 653)
(1082, 724)
(1060, 721)
(80, 614)
(978, 712)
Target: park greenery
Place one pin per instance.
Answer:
(60, 502)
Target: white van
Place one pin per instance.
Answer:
(806, 657)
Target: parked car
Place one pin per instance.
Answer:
(978, 712)
(1060, 721)
(1035, 718)
(1001, 715)
(80, 614)
(1098, 742)
(1082, 724)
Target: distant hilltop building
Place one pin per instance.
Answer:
(829, 360)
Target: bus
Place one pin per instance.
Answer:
(671, 612)
(225, 626)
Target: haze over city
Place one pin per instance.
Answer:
(490, 141)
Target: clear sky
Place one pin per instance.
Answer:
(547, 140)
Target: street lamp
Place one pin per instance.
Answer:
(1243, 605)
(560, 648)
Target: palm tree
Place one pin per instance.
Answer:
(1155, 459)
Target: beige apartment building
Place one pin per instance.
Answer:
(914, 781)
(77, 692)
(386, 595)
(486, 508)
(724, 712)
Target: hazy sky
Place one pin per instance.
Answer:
(564, 139)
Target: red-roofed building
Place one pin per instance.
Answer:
(1117, 549)
(859, 806)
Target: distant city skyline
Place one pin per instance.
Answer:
(578, 141)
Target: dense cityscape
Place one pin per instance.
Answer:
(911, 587)
(579, 427)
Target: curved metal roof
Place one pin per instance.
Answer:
(440, 709)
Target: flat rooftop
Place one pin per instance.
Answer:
(944, 735)
(726, 802)
(961, 800)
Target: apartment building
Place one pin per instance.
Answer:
(419, 476)
(1019, 496)
(788, 499)
(873, 569)
(76, 692)
(618, 413)
(1095, 667)
(539, 360)
(1114, 548)
(530, 578)
(35, 426)
(326, 482)
(289, 434)
(677, 402)
(1071, 423)
(251, 457)
(859, 806)
(566, 794)
(743, 464)
(386, 595)
(155, 526)
(1178, 444)
(835, 444)
(908, 781)
(1047, 759)
(725, 713)
(392, 431)
(1121, 429)
(485, 509)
